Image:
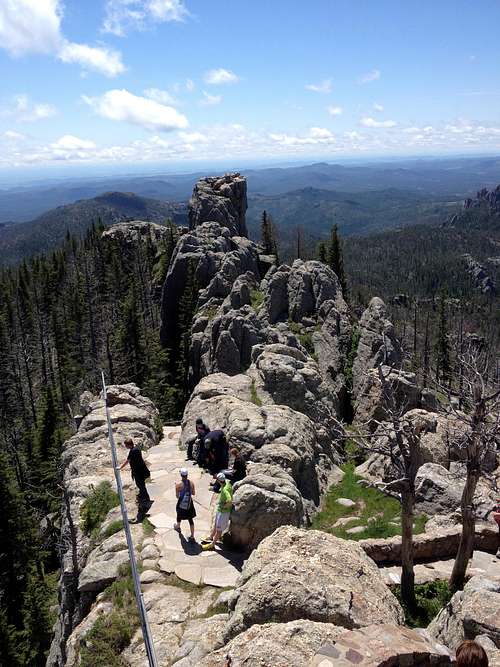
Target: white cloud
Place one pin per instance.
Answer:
(71, 143)
(25, 111)
(335, 111)
(220, 76)
(30, 26)
(11, 135)
(122, 105)
(161, 96)
(124, 15)
(210, 100)
(322, 87)
(100, 58)
(316, 136)
(34, 26)
(371, 122)
(374, 75)
(378, 107)
(190, 85)
(194, 137)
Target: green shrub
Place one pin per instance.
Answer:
(254, 396)
(147, 527)
(257, 299)
(114, 527)
(96, 507)
(111, 633)
(431, 598)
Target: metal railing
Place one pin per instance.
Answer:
(146, 632)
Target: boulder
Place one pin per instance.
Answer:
(265, 500)
(221, 199)
(439, 490)
(382, 646)
(370, 405)
(472, 612)
(296, 574)
(290, 644)
(377, 344)
(129, 234)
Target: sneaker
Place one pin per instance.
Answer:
(208, 547)
(177, 527)
(205, 540)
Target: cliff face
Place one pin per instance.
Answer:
(221, 199)
(89, 565)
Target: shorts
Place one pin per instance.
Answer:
(222, 521)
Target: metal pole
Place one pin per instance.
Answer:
(146, 632)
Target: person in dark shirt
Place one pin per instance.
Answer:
(140, 473)
(216, 451)
(195, 447)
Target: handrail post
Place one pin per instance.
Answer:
(146, 631)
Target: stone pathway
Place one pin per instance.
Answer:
(213, 568)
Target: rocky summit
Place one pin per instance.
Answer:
(274, 356)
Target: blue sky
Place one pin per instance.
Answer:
(131, 82)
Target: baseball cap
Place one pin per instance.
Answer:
(221, 477)
(183, 472)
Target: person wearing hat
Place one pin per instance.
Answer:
(184, 491)
(222, 514)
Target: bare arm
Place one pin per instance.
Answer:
(192, 489)
(124, 464)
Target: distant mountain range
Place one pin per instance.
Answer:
(453, 178)
(49, 229)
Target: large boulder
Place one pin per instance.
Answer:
(221, 199)
(439, 490)
(272, 434)
(290, 644)
(473, 612)
(377, 344)
(266, 499)
(371, 402)
(297, 574)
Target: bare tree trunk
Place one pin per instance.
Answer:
(466, 546)
(407, 573)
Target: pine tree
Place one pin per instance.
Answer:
(9, 642)
(37, 624)
(322, 252)
(268, 238)
(131, 339)
(335, 258)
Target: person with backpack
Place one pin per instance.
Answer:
(216, 451)
(140, 473)
(222, 514)
(184, 491)
(195, 448)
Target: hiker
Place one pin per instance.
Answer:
(471, 654)
(140, 473)
(496, 517)
(184, 491)
(222, 514)
(216, 451)
(195, 444)
(236, 473)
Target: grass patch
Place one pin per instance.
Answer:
(96, 507)
(114, 527)
(111, 633)
(148, 527)
(371, 504)
(256, 299)
(254, 396)
(304, 338)
(431, 598)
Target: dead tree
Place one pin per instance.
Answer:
(480, 416)
(397, 440)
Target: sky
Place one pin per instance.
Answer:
(173, 82)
